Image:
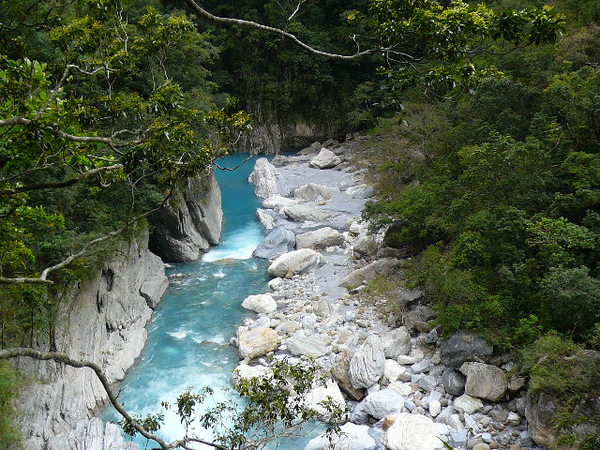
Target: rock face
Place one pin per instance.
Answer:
(350, 437)
(256, 342)
(465, 346)
(379, 267)
(325, 160)
(190, 223)
(320, 239)
(266, 180)
(314, 192)
(296, 262)
(102, 320)
(410, 432)
(484, 381)
(260, 303)
(246, 372)
(276, 243)
(279, 134)
(367, 364)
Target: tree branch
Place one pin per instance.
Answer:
(62, 358)
(43, 278)
(61, 184)
(248, 23)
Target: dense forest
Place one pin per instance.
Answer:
(483, 139)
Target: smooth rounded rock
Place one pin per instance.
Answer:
(410, 432)
(260, 303)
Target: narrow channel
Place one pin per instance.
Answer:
(188, 338)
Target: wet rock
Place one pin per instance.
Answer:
(320, 239)
(367, 364)
(465, 346)
(296, 262)
(276, 243)
(484, 381)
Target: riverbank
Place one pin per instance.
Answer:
(403, 386)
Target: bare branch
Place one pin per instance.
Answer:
(233, 168)
(248, 23)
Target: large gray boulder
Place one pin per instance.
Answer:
(320, 239)
(190, 222)
(465, 346)
(349, 437)
(314, 192)
(306, 213)
(367, 364)
(484, 381)
(453, 382)
(256, 342)
(276, 243)
(326, 159)
(267, 180)
(396, 343)
(357, 277)
(296, 262)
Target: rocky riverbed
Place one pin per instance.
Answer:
(404, 387)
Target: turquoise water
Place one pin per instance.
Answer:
(199, 314)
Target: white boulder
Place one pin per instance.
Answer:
(256, 342)
(260, 303)
(410, 432)
(296, 262)
(320, 239)
(367, 364)
(325, 160)
(267, 180)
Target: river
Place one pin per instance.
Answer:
(188, 338)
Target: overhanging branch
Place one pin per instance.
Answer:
(249, 23)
